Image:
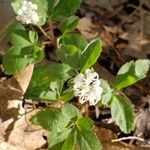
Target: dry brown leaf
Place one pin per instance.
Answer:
(6, 13)
(86, 28)
(106, 135)
(15, 131)
(104, 73)
(14, 87)
(18, 134)
(138, 35)
(6, 16)
(105, 4)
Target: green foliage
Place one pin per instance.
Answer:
(55, 120)
(24, 49)
(64, 8)
(53, 82)
(33, 36)
(90, 54)
(107, 92)
(49, 75)
(65, 129)
(42, 9)
(71, 47)
(70, 141)
(56, 140)
(74, 39)
(69, 24)
(122, 112)
(86, 140)
(78, 54)
(85, 123)
(131, 72)
(69, 55)
(67, 94)
(17, 35)
(51, 5)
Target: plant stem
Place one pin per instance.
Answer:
(42, 30)
(84, 110)
(53, 39)
(46, 42)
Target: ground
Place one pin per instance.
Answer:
(123, 27)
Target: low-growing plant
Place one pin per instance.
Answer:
(70, 75)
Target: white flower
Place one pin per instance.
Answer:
(27, 13)
(87, 87)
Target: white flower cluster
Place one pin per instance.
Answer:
(87, 87)
(27, 13)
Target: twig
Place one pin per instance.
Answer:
(116, 11)
(97, 112)
(128, 138)
(138, 8)
(84, 110)
(42, 30)
(52, 32)
(118, 54)
(127, 18)
(46, 42)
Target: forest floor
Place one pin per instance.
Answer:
(124, 29)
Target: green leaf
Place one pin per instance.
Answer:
(53, 92)
(65, 8)
(74, 39)
(70, 111)
(106, 93)
(60, 134)
(69, 143)
(36, 53)
(17, 35)
(69, 55)
(22, 52)
(57, 123)
(67, 94)
(57, 146)
(85, 123)
(48, 118)
(55, 120)
(69, 24)
(86, 140)
(14, 64)
(42, 9)
(90, 54)
(122, 112)
(142, 68)
(41, 91)
(33, 36)
(62, 128)
(56, 86)
(131, 72)
(54, 138)
(51, 5)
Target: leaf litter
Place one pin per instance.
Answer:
(125, 36)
